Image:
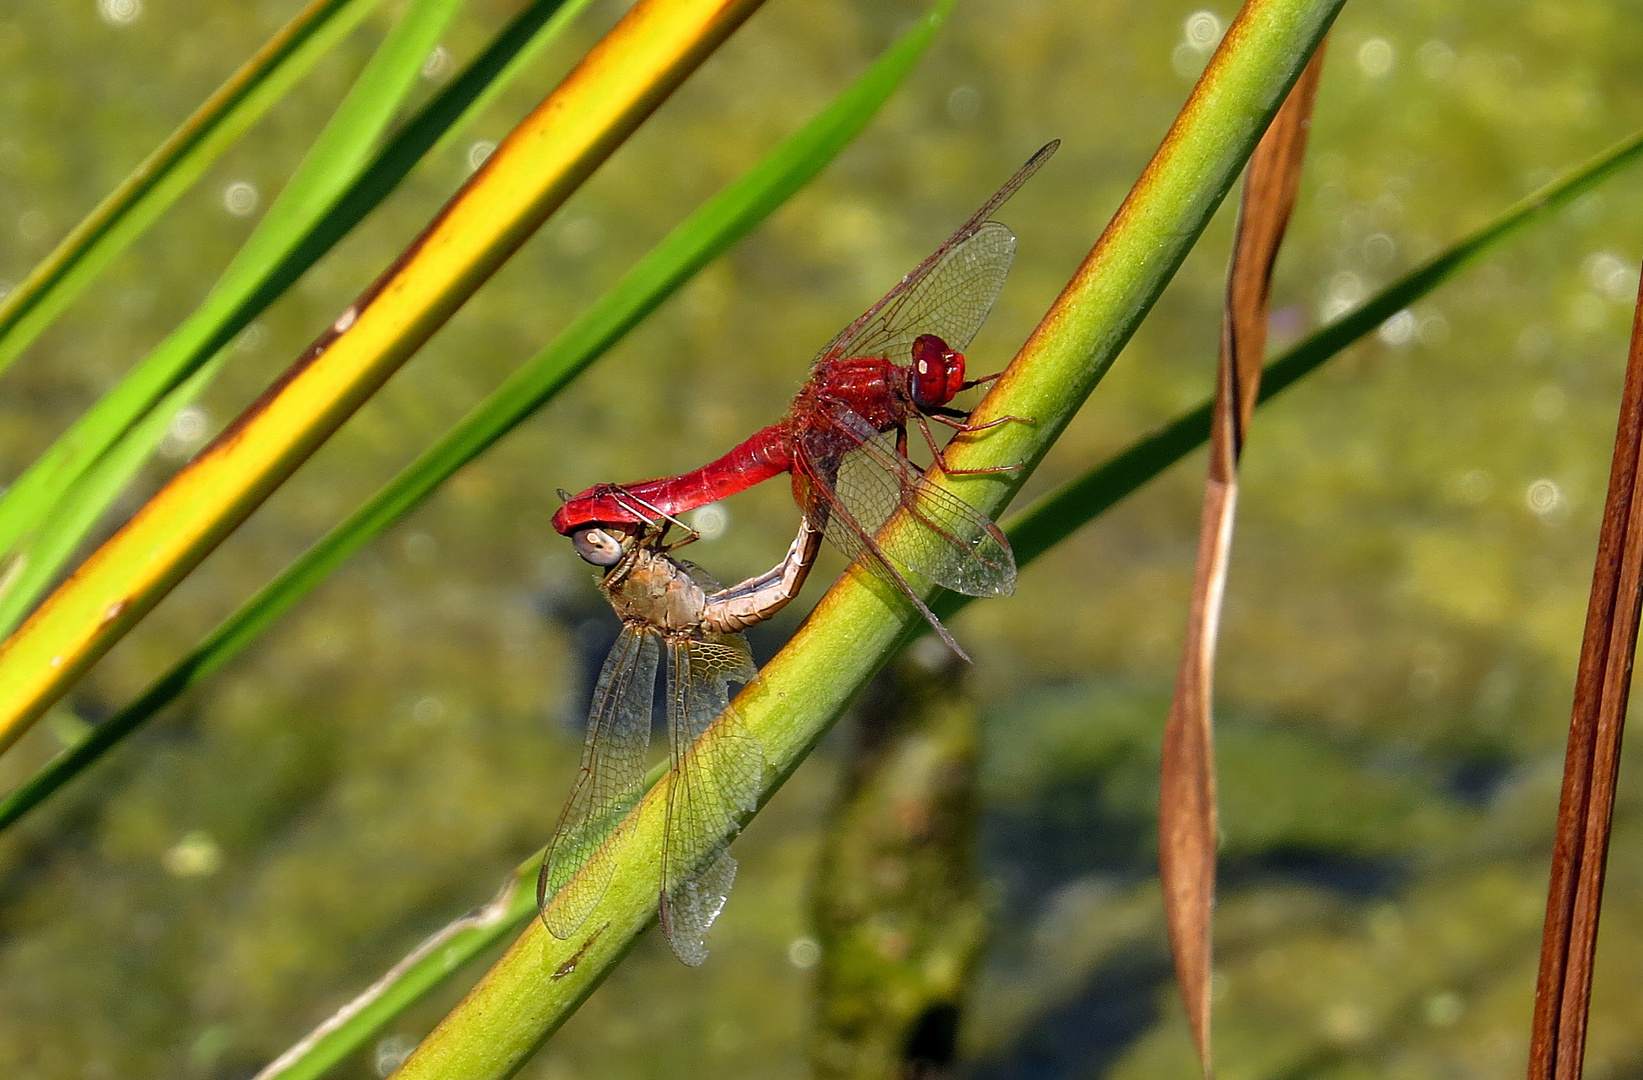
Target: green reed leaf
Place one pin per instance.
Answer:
(859, 623)
(698, 240)
(333, 190)
(171, 169)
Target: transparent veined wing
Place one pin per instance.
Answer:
(956, 546)
(716, 778)
(579, 865)
(948, 294)
(690, 909)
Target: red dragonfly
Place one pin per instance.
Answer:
(844, 438)
(671, 619)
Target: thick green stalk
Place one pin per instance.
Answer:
(1055, 516)
(859, 622)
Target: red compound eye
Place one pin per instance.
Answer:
(938, 372)
(601, 547)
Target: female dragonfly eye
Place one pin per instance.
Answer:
(597, 546)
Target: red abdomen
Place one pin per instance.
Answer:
(767, 453)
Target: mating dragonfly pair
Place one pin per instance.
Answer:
(844, 441)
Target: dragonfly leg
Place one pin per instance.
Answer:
(983, 381)
(651, 514)
(961, 420)
(690, 537)
(941, 458)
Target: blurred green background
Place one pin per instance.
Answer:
(1403, 615)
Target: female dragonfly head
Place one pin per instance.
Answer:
(600, 543)
(601, 546)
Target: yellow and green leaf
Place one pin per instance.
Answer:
(547, 156)
(46, 514)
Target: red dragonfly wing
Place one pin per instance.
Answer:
(715, 780)
(579, 867)
(948, 294)
(858, 491)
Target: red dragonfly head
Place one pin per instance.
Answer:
(937, 373)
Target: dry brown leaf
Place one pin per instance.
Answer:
(1579, 854)
(1187, 825)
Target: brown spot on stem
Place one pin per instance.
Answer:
(570, 965)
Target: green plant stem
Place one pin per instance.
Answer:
(1052, 518)
(540, 980)
(1057, 515)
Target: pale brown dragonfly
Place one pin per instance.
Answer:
(677, 618)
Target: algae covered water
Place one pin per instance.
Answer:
(1415, 543)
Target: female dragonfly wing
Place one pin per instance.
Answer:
(948, 294)
(579, 865)
(716, 778)
(692, 907)
(956, 547)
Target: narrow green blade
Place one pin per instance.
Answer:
(1054, 517)
(321, 210)
(697, 241)
(171, 169)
